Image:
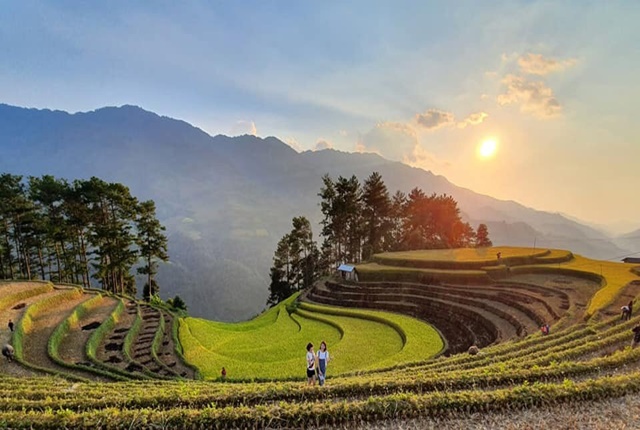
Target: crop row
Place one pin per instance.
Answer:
(307, 413)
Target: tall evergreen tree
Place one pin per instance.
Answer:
(152, 244)
(295, 262)
(482, 237)
(376, 215)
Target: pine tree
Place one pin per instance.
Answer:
(376, 211)
(152, 244)
(482, 237)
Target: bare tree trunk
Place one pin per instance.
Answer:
(41, 260)
(10, 263)
(86, 282)
(27, 263)
(57, 247)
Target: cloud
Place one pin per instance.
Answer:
(243, 127)
(323, 144)
(473, 119)
(533, 96)
(399, 142)
(392, 140)
(536, 64)
(434, 119)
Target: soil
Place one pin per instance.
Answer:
(72, 347)
(123, 325)
(579, 291)
(14, 368)
(35, 344)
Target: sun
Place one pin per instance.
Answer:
(488, 148)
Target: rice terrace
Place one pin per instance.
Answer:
(399, 338)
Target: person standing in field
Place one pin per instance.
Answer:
(625, 313)
(10, 325)
(636, 336)
(630, 306)
(323, 360)
(311, 365)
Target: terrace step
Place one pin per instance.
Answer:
(35, 343)
(72, 348)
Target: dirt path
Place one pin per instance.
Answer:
(72, 347)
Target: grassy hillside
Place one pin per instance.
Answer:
(272, 346)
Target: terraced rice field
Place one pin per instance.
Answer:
(584, 374)
(273, 345)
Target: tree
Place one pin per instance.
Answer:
(482, 237)
(177, 303)
(295, 262)
(279, 288)
(395, 235)
(152, 244)
(376, 212)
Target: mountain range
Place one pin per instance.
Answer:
(227, 201)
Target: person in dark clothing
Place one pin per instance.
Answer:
(11, 325)
(625, 313)
(8, 352)
(636, 336)
(630, 306)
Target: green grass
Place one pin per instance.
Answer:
(272, 346)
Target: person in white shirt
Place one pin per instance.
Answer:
(311, 365)
(323, 360)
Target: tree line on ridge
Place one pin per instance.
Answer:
(76, 232)
(360, 220)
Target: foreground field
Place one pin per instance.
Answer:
(272, 346)
(584, 374)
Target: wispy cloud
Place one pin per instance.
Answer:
(537, 64)
(473, 119)
(433, 119)
(534, 97)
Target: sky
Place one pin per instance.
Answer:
(553, 84)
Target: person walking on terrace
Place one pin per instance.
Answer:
(311, 365)
(625, 313)
(323, 360)
(10, 325)
(630, 306)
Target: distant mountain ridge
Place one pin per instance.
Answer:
(226, 201)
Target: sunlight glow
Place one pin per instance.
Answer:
(488, 148)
